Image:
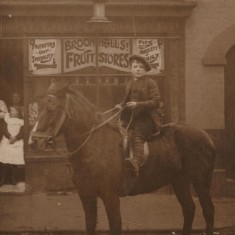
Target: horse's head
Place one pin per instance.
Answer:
(62, 109)
(51, 117)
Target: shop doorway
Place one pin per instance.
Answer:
(11, 68)
(230, 110)
(11, 85)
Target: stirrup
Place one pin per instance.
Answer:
(156, 133)
(131, 167)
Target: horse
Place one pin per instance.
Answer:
(180, 155)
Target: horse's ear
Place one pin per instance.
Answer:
(58, 87)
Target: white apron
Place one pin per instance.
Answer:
(12, 153)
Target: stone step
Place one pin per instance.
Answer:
(221, 187)
(146, 232)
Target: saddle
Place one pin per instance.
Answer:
(126, 143)
(128, 149)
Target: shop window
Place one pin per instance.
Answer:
(12, 166)
(98, 67)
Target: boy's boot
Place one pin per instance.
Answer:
(131, 166)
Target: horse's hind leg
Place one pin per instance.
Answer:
(112, 206)
(181, 187)
(89, 204)
(202, 189)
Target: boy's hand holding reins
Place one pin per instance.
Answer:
(131, 104)
(118, 106)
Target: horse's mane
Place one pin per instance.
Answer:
(78, 107)
(61, 89)
(79, 104)
(89, 111)
(80, 97)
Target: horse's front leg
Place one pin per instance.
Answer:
(89, 203)
(112, 206)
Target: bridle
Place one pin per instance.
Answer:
(66, 113)
(49, 136)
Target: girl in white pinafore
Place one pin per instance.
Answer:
(11, 146)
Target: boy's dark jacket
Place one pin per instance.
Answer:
(147, 98)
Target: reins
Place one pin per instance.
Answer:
(108, 111)
(88, 133)
(103, 123)
(93, 129)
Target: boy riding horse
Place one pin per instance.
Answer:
(141, 101)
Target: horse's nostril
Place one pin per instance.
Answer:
(50, 140)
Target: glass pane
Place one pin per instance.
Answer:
(111, 91)
(88, 87)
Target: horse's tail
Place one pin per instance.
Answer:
(210, 144)
(212, 149)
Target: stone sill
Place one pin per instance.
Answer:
(45, 157)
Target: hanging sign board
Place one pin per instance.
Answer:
(114, 53)
(44, 56)
(79, 53)
(153, 51)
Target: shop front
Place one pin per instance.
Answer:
(41, 43)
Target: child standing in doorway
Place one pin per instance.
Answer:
(11, 146)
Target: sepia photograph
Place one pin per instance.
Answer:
(117, 117)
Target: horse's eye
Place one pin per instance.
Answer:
(42, 105)
(51, 108)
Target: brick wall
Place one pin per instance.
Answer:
(205, 84)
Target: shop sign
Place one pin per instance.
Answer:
(153, 51)
(44, 56)
(114, 53)
(79, 53)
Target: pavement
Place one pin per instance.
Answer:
(62, 213)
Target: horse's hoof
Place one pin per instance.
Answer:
(214, 233)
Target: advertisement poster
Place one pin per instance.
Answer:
(153, 51)
(114, 53)
(79, 53)
(44, 56)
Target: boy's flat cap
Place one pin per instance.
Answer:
(141, 59)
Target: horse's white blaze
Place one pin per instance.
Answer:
(33, 130)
